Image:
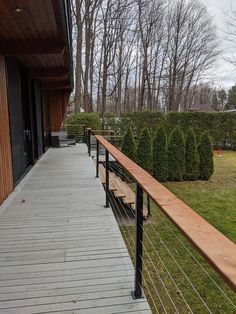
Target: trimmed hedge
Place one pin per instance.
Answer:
(191, 157)
(176, 155)
(89, 119)
(141, 119)
(160, 155)
(220, 125)
(128, 146)
(144, 150)
(206, 157)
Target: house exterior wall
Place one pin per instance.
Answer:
(36, 78)
(6, 177)
(24, 106)
(57, 101)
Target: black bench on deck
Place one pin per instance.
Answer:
(62, 138)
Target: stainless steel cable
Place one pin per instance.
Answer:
(117, 167)
(181, 269)
(185, 275)
(202, 268)
(163, 284)
(199, 264)
(131, 252)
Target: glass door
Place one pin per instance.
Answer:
(26, 115)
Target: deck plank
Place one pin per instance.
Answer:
(61, 250)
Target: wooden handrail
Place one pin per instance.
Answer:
(80, 125)
(104, 131)
(217, 249)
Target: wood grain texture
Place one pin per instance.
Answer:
(218, 250)
(31, 47)
(36, 18)
(57, 102)
(6, 176)
(61, 250)
(34, 35)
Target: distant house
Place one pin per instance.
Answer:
(231, 110)
(202, 108)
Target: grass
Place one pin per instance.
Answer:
(214, 200)
(171, 265)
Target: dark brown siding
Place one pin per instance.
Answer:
(6, 177)
(57, 101)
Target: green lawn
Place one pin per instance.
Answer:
(170, 261)
(214, 200)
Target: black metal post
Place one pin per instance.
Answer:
(89, 142)
(77, 134)
(148, 205)
(84, 135)
(137, 293)
(107, 178)
(112, 138)
(97, 161)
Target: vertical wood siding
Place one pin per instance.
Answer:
(6, 176)
(57, 101)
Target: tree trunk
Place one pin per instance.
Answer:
(79, 42)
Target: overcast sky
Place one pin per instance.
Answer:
(224, 73)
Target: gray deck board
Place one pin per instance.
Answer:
(61, 250)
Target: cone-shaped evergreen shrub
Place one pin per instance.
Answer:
(128, 146)
(206, 157)
(176, 155)
(144, 150)
(191, 157)
(160, 155)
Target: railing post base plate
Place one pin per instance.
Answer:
(135, 297)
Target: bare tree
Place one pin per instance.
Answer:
(141, 54)
(77, 16)
(192, 49)
(231, 36)
(90, 10)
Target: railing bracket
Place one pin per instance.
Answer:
(133, 294)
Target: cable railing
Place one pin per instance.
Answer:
(165, 246)
(82, 134)
(78, 132)
(109, 135)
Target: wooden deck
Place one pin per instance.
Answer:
(61, 251)
(120, 189)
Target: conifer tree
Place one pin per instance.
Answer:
(205, 151)
(160, 155)
(128, 146)
(191, 157)
(176, 155)
(144, 150)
